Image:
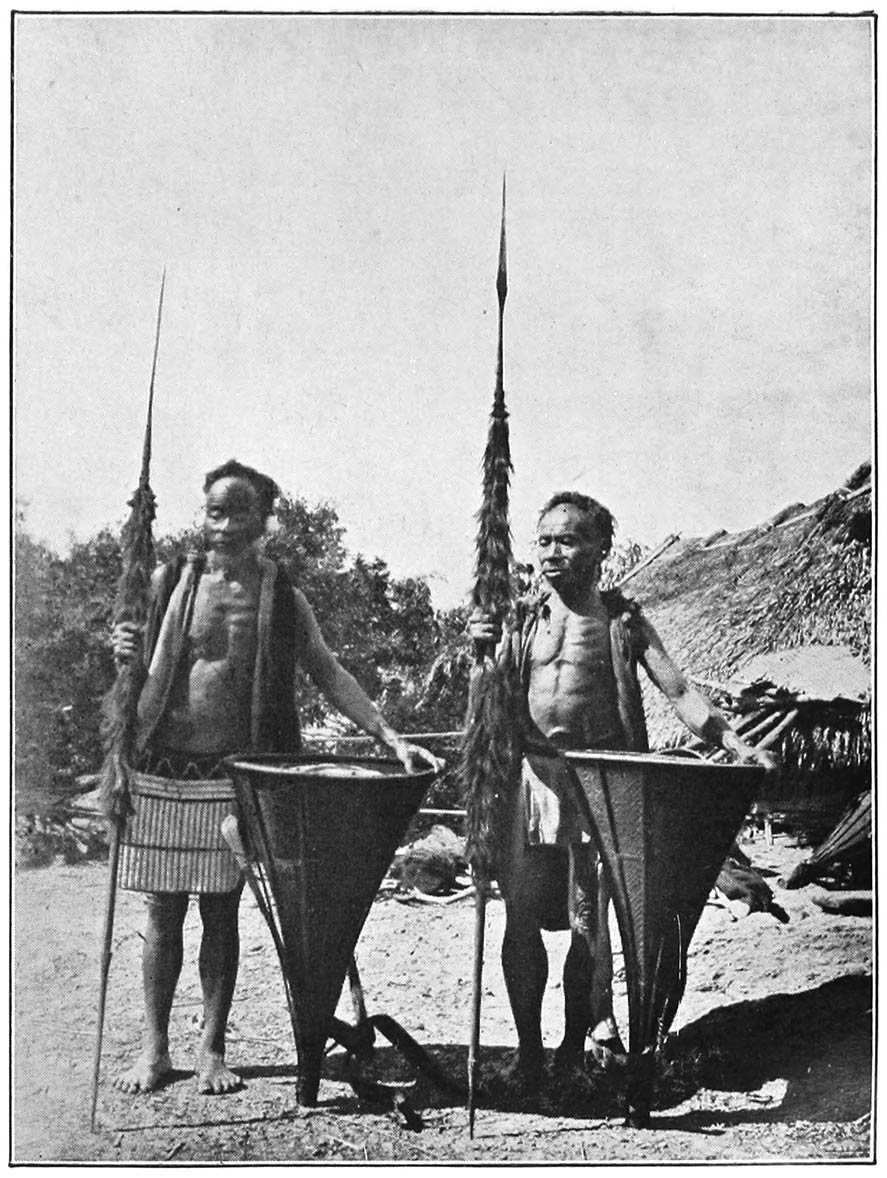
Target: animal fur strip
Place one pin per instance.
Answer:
(490, 754)
(490, 758)
(120, 705)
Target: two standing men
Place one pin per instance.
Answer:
(225, 633)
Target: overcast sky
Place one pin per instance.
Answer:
(688, 327)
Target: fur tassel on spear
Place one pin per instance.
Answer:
(490, 750)
(120, 706)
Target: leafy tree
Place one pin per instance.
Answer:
(382, 629)
(34, 708)
(62, 661)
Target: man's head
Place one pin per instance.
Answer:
(574, 537)
(239, 501)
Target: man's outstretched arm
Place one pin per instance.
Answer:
(345, 693)
(695, 709)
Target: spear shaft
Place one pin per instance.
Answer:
(121, 702)
(491, 593)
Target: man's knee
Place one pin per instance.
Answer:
(535, 888)
(220, 909)
(166, 912)
(579, 955)
(583, 892)
(521, 922)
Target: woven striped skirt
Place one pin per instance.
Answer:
(172, 841)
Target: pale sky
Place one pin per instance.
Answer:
(689, 319)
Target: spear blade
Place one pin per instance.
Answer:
(501, 294)
(492, 584)
(145, 473)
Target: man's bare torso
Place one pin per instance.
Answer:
(572, 690)
(210, 705)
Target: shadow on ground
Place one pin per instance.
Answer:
(818, 1042)
(590, 1094)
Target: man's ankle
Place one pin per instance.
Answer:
(156, 1047)
(530, 1059)
(212, 1047)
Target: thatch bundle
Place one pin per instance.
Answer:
(801, 579)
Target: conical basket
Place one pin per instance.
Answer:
(324, 843)
(663, 825)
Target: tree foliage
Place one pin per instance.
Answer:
(383, 629)
(63, 663)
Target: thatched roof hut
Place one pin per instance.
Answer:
(776, 622)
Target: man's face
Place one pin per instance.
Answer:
(569, 553)
(233, 520)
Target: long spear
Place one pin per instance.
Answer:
(487, 755)
(120, 706)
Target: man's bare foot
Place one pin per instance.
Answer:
(522, 1074)
(214, 1076)
(571, 1082)
(147, 1073)
(569, 1060)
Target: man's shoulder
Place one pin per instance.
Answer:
(181, 557)
(304, 614)
(529, 607)
(533, 605)
(627, 616)
(620, 606)
(168, 571)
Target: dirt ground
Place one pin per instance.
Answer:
(770, 1059)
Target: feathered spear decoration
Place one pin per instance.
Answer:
(490, 747)
(120, 706)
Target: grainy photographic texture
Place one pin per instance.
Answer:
(688, 339)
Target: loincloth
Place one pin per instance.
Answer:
(172, 841)
(547, 858)
(554, 808)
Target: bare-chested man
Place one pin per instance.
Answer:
(577, 650)
(223, 640)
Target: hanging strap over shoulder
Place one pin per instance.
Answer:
(275, 721)
(627, 644)
(173, 592)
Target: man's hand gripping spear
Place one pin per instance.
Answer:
(120, 706)
(490, 750)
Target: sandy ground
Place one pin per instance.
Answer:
(770, 1059)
